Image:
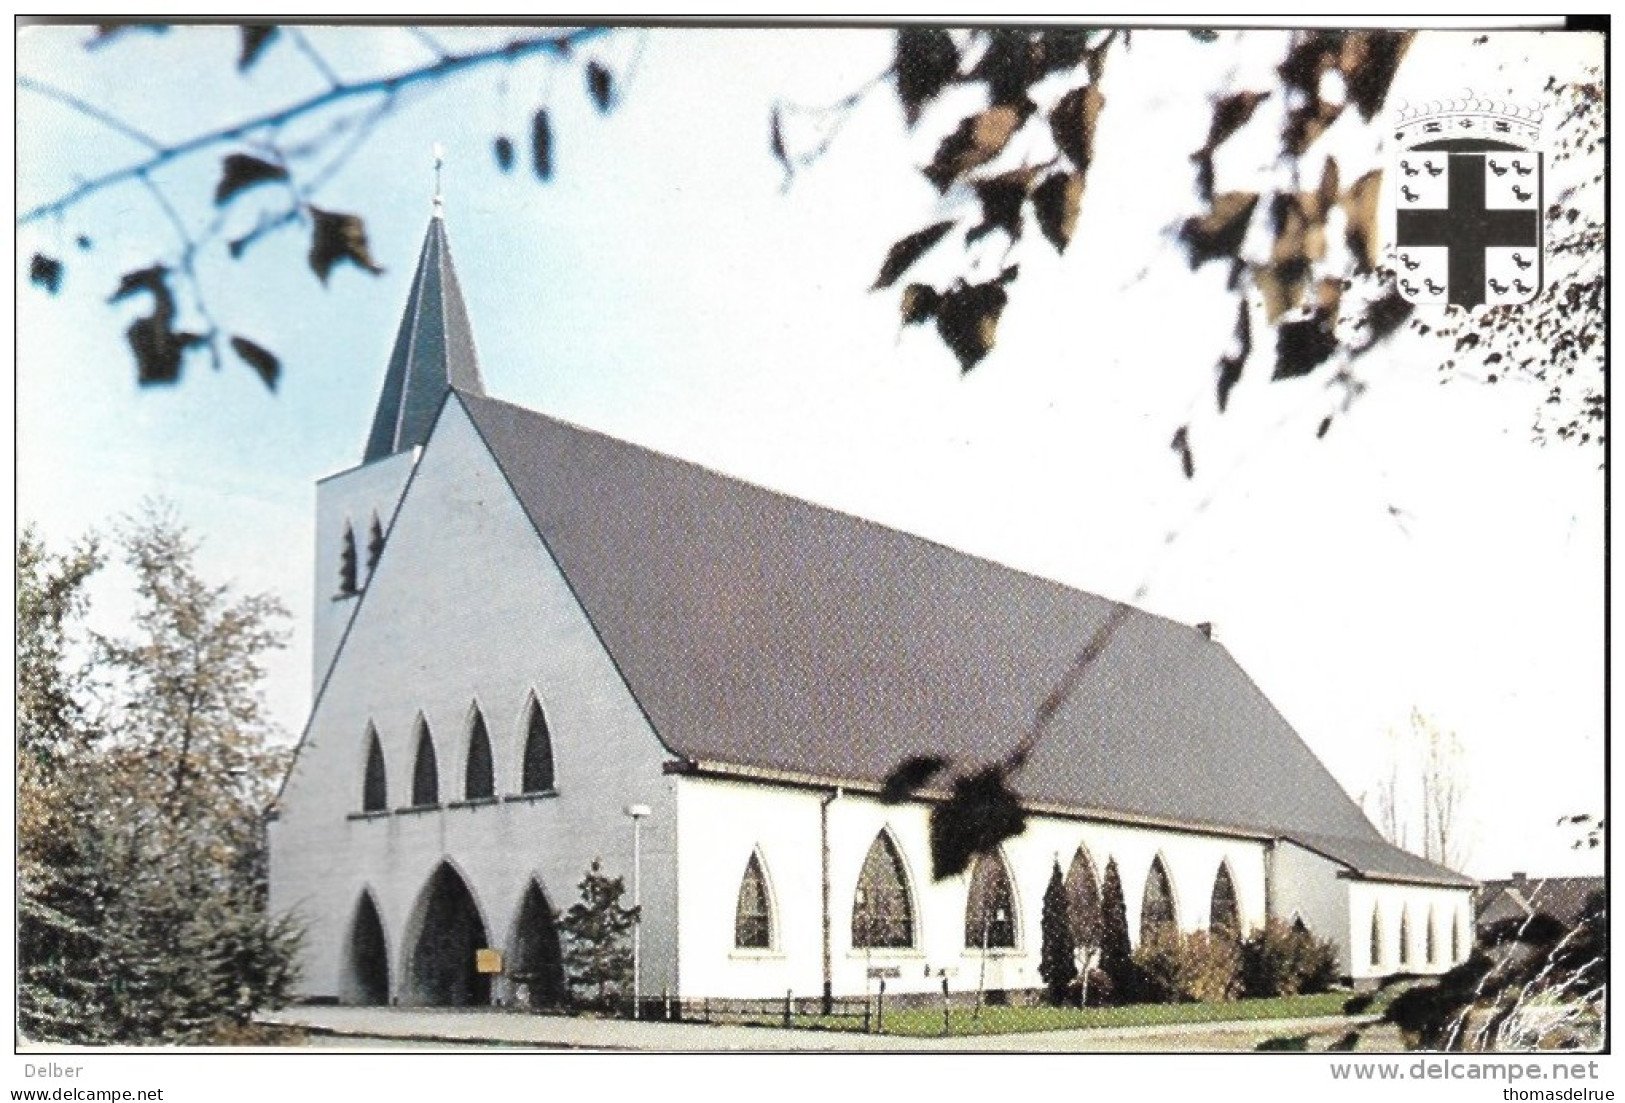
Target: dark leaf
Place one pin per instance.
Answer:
(1301, 347)
(541, 145)
(1010, 65)
(1325, 426)
(255, 39)
(599, 85)
(1230, 114)
(1072, 124)
(920, 302)
(46, 272)
(968, 320)
(775, 144)
(981, 813)
(1369, 60)
(157, 346)
(926, 61)
(1230, 367)
(107, 32)
(1383, 317)
(904, 253)
(1063, 49)
(1203, 35)
(1220, 232)
(338, 237)
(264, 363)
(154, 280)
(1181, 444)
(1001, 198)
(82, 241)
(1056, 202)
(502, 150)
(240, 171)
(1311, 56)
(976, 141)
(909, 775)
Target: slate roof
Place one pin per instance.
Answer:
(768, 635)
(1562, 898)
(434, 350)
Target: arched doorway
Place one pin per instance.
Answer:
(442, 971)
(366, 957)
(534, 956)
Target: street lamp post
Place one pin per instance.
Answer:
(637, 812)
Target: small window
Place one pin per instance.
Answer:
(882, 917)
(347, 570)
(478, 780)
(537, 775)
(374, 788)
(425, 771)
(1432, 941)
(990, 921)
(375, 546)
(1157, 905)
(1376, 936)
(753, 914)
(1455, 941)
(1405, 936)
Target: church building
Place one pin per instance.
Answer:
(538, 647)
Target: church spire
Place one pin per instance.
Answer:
(434, 350)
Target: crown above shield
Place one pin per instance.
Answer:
(1468, 117)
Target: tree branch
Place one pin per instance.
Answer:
(90, 111)
(560, 45)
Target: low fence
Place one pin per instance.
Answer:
(855, 1013)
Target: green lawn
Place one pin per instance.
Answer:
(1012, 1020)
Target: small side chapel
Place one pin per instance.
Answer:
(525, 629)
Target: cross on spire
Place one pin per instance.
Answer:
(439, 160)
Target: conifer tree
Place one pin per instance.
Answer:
(597, 933)
(1057, 963)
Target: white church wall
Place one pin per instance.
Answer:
(1417, 904)
(724, 821)
(1310, 887)
(351, 497)
(468, 606)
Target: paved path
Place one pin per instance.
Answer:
(392, 1027)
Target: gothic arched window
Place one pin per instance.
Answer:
(882, 916)
(1083, 901)
(1376, 936)
(1432, 941)
(1455, 941)
(425, 770)
(753, 914)
(478, 778)
(374, 788)
(1157, 905)
(990, 912)
(537, 775)
(1405, 936)
(375, 546)
(1224, 916)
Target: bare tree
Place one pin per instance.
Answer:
(1422, 792)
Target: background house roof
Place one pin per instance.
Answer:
(768, 633)
(1520, 897)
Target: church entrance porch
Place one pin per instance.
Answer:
(442, 970)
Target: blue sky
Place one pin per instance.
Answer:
(665, 287)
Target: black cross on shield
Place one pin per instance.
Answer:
(1468, 223)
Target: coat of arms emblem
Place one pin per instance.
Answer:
(1467, 193)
